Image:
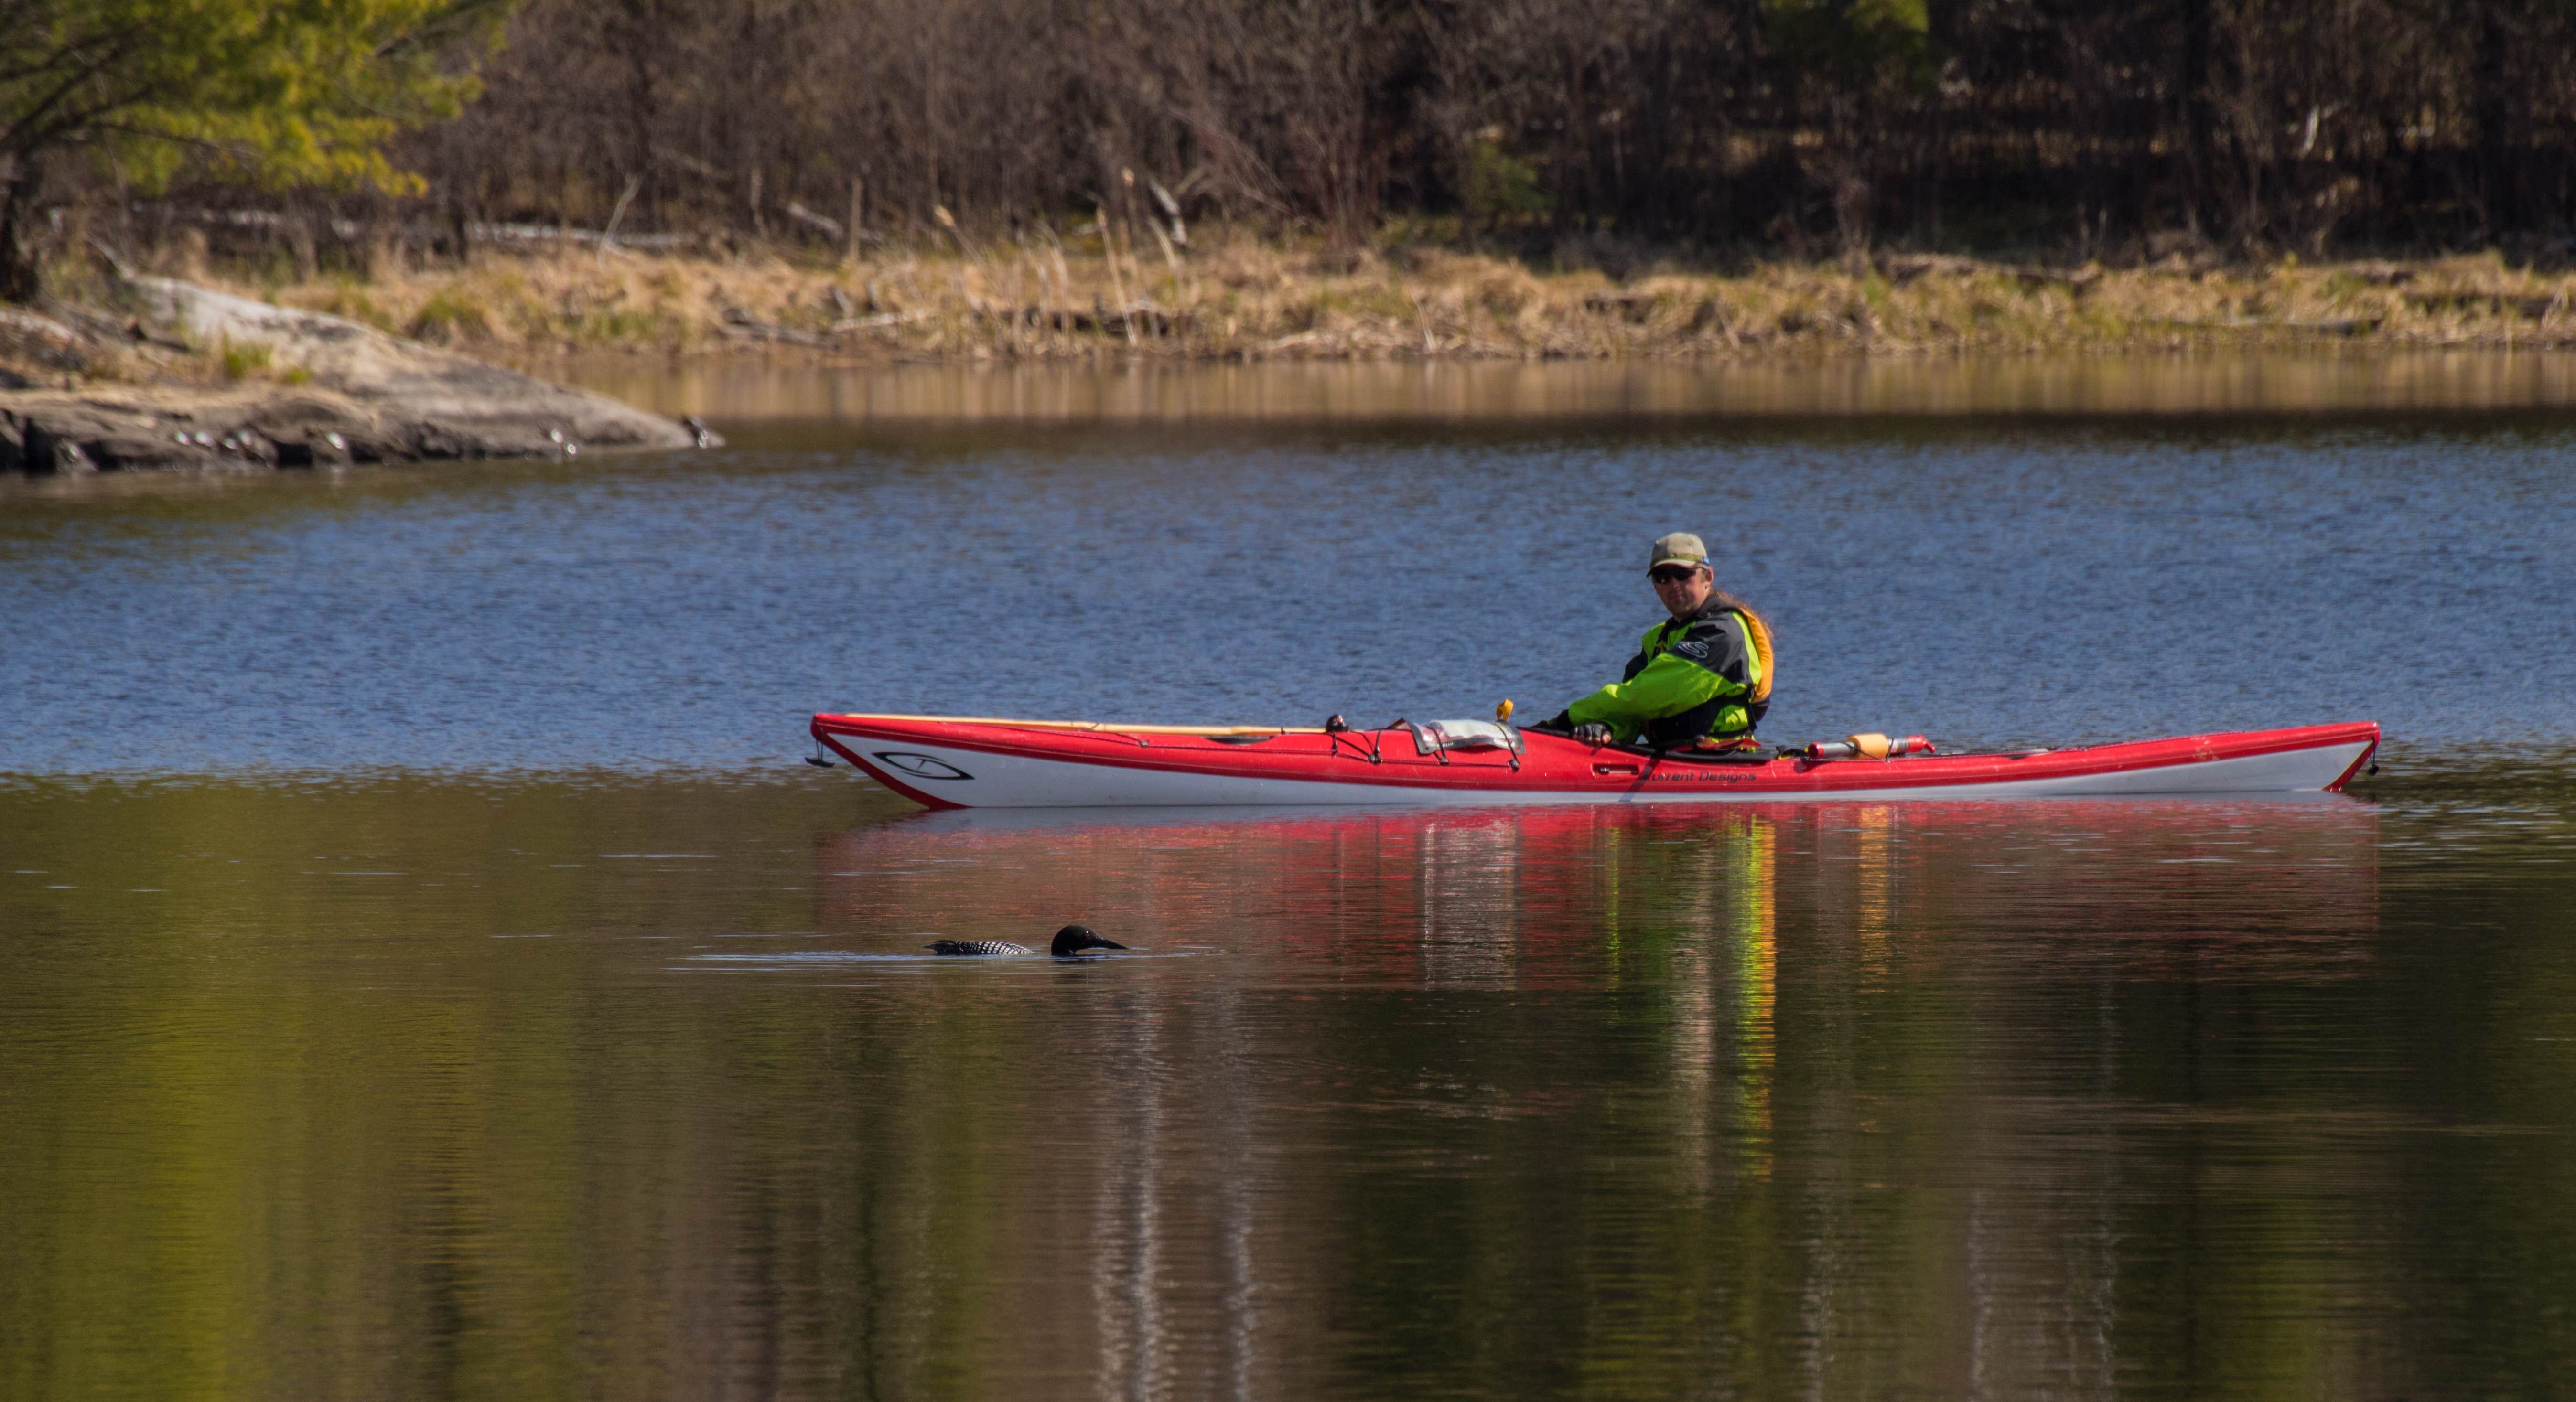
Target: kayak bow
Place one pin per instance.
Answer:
(978, 762)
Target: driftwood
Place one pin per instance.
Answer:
(879, 322)
(738, 322)
(811, 220)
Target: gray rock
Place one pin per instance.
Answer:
(368, 397)
(47, 451)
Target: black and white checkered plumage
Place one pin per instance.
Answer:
(1069, 942)
(977, 947)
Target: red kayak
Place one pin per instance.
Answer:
(976, 762)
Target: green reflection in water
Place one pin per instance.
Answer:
(402, 1087)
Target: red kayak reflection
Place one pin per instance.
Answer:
(2252, 888)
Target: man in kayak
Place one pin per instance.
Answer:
(1701, 679)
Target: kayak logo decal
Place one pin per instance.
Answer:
(922, 766)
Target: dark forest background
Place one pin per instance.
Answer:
(2114, 130)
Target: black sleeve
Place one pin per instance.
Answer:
(1719, 645)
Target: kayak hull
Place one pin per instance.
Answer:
(957, 762)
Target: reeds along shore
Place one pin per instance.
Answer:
(1237, 298)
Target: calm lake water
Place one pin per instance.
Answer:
(430, 973)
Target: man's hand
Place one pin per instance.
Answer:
(1592, 732)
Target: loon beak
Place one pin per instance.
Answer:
(1108, 944)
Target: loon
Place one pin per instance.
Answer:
(1069, 941)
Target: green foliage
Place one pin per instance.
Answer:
(242, 360)
(449, 312)
(347, 299)
(1855, 44)
(625, 326)
(278, 91)
(1501, 186)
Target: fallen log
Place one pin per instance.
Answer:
(882, 321)
(820, 222)
(737, 322)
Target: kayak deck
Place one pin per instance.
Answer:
(977, 762)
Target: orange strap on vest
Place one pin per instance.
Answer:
(1759, 634)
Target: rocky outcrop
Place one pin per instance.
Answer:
(333, 391)
(124, 429)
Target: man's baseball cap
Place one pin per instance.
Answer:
(1679, 548)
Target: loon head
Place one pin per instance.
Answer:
(1073, 939)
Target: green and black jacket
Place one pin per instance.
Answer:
(1705, 676)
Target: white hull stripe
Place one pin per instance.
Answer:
(980, 779)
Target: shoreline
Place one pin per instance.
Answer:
(169, 375)
(1239, 300)
(147, 372)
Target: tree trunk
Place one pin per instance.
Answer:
(21, 177)
(460, 229)
(2200, 141)
(2492, 112)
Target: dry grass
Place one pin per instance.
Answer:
(1234, 298)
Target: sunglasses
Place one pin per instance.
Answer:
(1671, 574)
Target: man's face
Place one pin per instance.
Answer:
(1683, 588)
